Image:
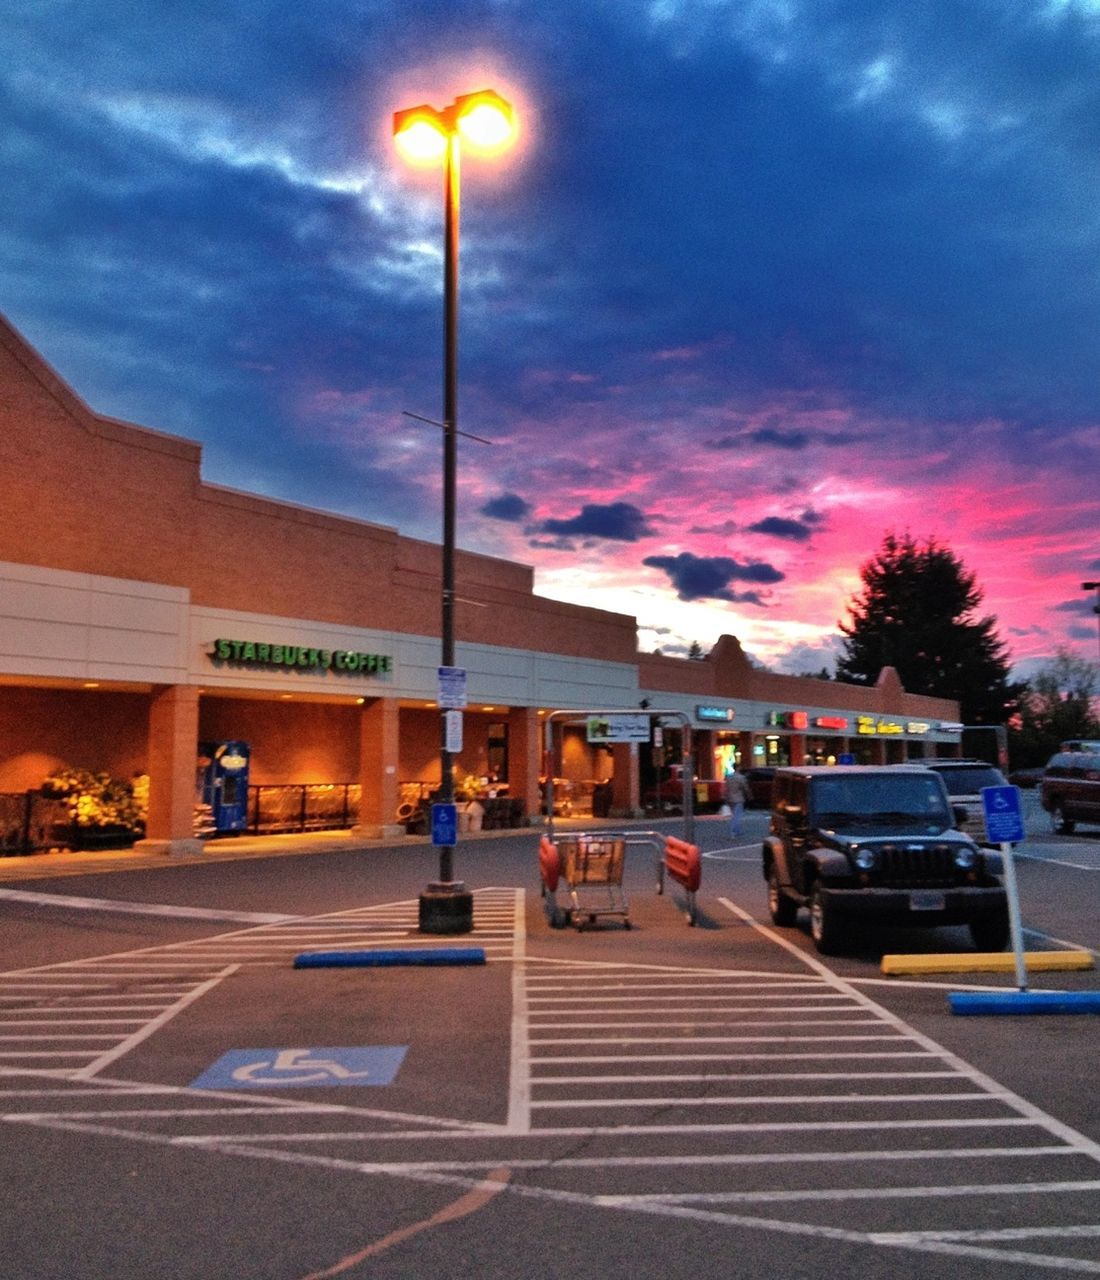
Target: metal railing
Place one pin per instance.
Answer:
(305, 806)
(32, 823)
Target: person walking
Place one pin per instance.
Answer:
(737, 795)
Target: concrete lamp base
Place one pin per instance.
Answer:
(446, 908)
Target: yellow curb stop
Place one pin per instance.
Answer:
(988, 962)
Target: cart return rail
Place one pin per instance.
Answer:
(590, 865)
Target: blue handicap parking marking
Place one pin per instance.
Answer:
(315, 1068)
(1004, 819)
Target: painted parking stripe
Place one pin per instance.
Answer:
(67, 903)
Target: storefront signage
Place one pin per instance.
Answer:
(724, 714)
(872, 724)
(789, 719)
(618, 728)
(918, 726)
(839, 723)
(251, 653)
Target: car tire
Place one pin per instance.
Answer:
(823, 923)
(783, 910)
(1059, 823)
(990, 932)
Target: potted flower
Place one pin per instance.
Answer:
(104, 812)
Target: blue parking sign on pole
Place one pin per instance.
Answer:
(444, 824)
(1004, 819)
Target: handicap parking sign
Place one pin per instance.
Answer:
(1004, 819)
(444, 824)
(311, 1068)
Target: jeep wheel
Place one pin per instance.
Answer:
(783, 910)
(823, 926)
(990, 932)
(1059, 823)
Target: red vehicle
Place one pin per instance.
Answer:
(708, 794)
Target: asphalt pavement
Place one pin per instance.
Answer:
(666, 1100)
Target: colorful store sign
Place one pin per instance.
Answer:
(788, 719)
(724, 714)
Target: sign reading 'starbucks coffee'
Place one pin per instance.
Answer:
(251, 653)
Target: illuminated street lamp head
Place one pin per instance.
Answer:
(420, 134)
(484, 121)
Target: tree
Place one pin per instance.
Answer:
(695, 652)
(915, 613)
(1055, 706)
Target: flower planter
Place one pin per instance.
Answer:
(110, 837)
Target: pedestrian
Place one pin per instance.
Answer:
(737, 793)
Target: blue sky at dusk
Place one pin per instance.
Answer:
(762, 280)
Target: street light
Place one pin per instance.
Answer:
(1094, 586)
(483, 122)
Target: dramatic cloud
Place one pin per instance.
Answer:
(708, 577)
(778, 527)
(508, 506)
(859, 284)
(620, 521)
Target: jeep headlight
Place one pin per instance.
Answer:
(865, 859)
(965, 859)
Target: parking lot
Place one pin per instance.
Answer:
(180, 1100)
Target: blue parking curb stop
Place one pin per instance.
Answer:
(1024, 1002)
(379, 959)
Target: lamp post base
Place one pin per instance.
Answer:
(446, 908)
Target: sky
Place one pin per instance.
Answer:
(761, 281)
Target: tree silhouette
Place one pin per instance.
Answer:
(1055, 706)
(915, 613)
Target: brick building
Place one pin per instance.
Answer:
(144, 611)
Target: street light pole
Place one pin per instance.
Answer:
(484, 121)
(1094, 586)
(452, 209)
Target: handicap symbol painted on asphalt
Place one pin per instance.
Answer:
(314, 1068)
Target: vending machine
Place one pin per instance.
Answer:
(223, 783)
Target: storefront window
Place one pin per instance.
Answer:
(777, 750)
(821, 751)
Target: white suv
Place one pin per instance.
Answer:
(964, 780)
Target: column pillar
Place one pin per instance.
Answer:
(172, 752)
(796, 747)
(525, 758)
(625, 784)
(745, 747)
(379, 752)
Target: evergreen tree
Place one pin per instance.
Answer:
(915, 613)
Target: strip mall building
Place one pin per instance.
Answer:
(144, 611)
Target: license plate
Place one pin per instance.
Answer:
(927, 900)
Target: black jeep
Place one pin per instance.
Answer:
(877, 844)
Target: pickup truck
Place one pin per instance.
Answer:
(708, 794)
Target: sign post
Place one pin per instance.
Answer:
(1004, 824)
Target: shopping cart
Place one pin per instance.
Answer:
(592, 869)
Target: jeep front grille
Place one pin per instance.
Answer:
(926, 866)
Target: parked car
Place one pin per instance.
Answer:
(760, 780)
(1026, 777)
(862, 843)
(964, 780)
(1070, 789)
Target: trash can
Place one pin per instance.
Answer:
(601, 800)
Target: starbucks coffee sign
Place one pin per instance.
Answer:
(252, 653)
